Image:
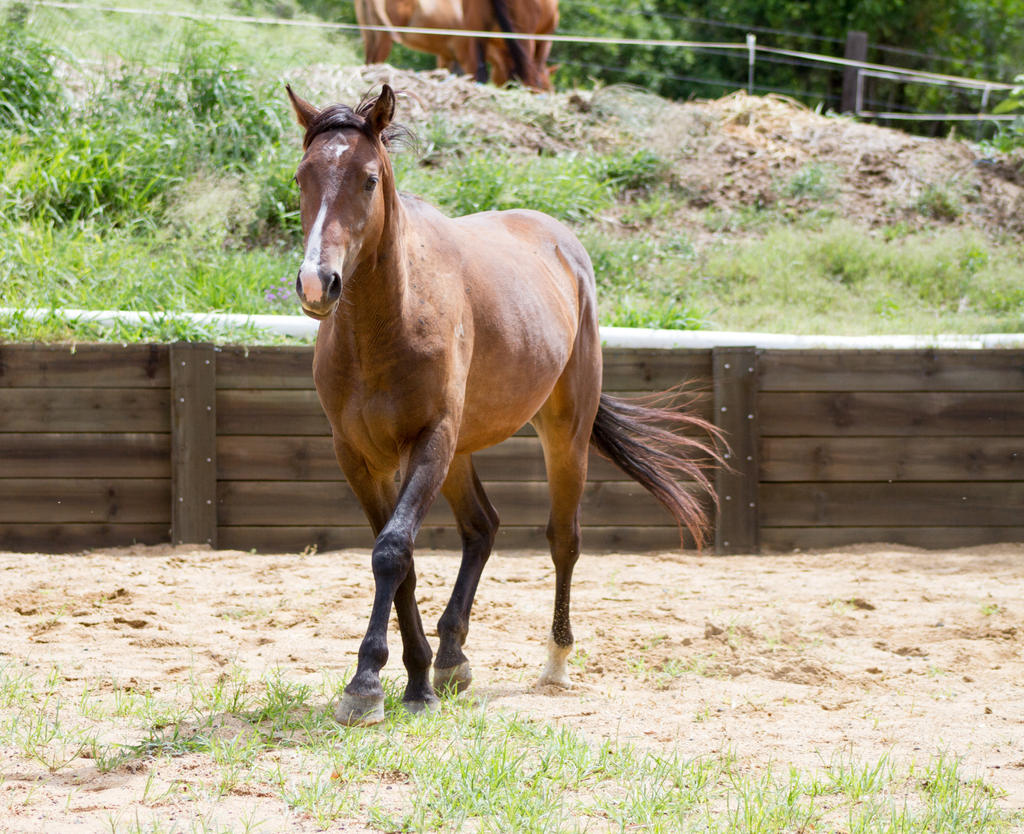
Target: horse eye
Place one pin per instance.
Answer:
(371, 182)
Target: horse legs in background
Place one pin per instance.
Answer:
(478, 523)
(480, 73)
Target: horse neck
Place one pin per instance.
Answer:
(374, 301)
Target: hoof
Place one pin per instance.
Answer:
(359, 710)
(416, 707)
(454, 679)
(559, 680)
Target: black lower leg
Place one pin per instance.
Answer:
(481, 74)
(416, 654)
(565, 551)
(392, 560)
(453, 626)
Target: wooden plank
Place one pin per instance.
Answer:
(85, 500)
(83, 366)
(84, 410)
(286, 413)
(819, 538)
(892, 459)
(326, 503)
(892, 504)
(624, 369)
(824, 414)
(735, 384)
(892, 370)
(193, 444)
(279, 412)
(304, 458)
(509, 539)
(270, 411)
(66, 538)
(287, 367)
(656, 370)
(117, 455)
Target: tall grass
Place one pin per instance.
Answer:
(116, 157)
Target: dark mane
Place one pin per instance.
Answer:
(341, 116)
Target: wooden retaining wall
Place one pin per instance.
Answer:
(107, 445)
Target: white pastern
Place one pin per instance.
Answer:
(556, 673)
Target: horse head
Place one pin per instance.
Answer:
(344, 180)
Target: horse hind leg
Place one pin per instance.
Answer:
(478, 523)
(566, 443)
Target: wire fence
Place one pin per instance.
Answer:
(750, 52)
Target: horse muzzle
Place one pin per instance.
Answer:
(318, 292)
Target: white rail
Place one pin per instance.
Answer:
(627, 337)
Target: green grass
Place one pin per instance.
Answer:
(156, 39)
(163, 182)
(465, 767)
(842, 276)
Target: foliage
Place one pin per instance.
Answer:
(30, 93)
(120, 155)
(971, 36)
(1011, 136)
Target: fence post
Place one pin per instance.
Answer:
(193, 444)
(737, 527)
(856, 50)
(751, 58)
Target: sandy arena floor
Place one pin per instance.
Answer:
(780, 659)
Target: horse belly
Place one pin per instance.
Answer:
(512, 375)
(526, 287)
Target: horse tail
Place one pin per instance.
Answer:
(650, 439)
(516, 50)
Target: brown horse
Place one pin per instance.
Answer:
(534, 17)
(440, 337)
(511, 59)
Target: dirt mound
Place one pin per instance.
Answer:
(726, 154)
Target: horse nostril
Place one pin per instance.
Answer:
(298, 284)
(334, 289)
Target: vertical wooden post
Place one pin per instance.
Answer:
(193, 444)
(737, 528)
(856, 50)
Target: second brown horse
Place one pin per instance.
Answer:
(440, 337)
(523, 60)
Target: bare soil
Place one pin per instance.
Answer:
(739, 151)
(783, 659)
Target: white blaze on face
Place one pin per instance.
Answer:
(309, 272)
(339, 146)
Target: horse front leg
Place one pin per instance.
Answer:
(395, 584)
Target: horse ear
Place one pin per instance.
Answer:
(383, 110)
(304, 111)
